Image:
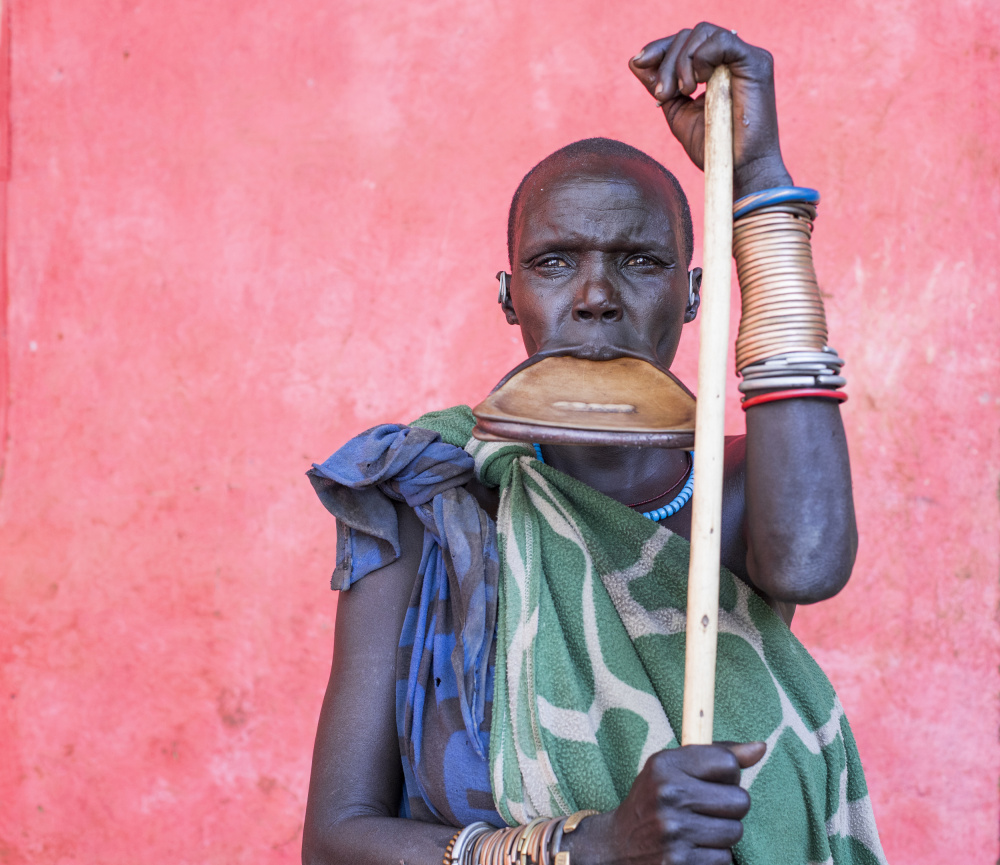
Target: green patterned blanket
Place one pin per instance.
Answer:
(590, 670)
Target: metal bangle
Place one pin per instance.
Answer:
(557, 839)
(544, 854)
(784, 382)
(524, 839)
(778, 195)
(461, 841)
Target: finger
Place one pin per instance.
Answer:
(666, 85)
(686, 79)
(651, 54)
(702, 831)
(724, 46)
(720, 801)
(713, 763)
(747, 753)
(646, 76)
(645, 64)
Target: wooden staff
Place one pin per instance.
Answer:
(706, 517)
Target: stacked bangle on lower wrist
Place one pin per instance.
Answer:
(462, 842)
(799, 393)
(793, 375)
(535, 843)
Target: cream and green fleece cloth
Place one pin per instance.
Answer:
(590, 670)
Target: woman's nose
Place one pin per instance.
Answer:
(597, 300)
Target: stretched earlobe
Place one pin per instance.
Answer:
(504, 279)
(504, 297)
(694, 294)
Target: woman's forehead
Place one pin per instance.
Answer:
(611, 196)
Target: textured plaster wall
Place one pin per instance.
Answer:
(239, 232)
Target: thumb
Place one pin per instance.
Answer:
(746, 753)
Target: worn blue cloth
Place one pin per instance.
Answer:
(443, 666)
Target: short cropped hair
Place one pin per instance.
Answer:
(579, 150)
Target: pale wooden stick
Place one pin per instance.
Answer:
(706, 517)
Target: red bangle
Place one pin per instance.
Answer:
(774, 396)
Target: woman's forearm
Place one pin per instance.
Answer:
(376, 840)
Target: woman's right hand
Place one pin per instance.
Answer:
(685, 806)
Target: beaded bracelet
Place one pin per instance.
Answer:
(775, 396)
(459, 847)
(449, 849)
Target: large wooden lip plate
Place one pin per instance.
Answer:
(569, 400)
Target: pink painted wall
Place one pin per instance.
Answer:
(239, 232)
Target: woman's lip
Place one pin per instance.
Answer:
(584, 352)
(597, 352)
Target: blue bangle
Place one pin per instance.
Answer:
(778, 195)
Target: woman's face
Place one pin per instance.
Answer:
(599, 269)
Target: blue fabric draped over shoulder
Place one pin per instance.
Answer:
(444, 670)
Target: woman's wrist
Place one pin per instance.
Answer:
(590, 842)
(767, 172)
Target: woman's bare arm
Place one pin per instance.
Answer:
(800, 530)
(356, 782)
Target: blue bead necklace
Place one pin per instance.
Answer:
(668, 510)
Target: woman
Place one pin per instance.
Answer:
(472, 679)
